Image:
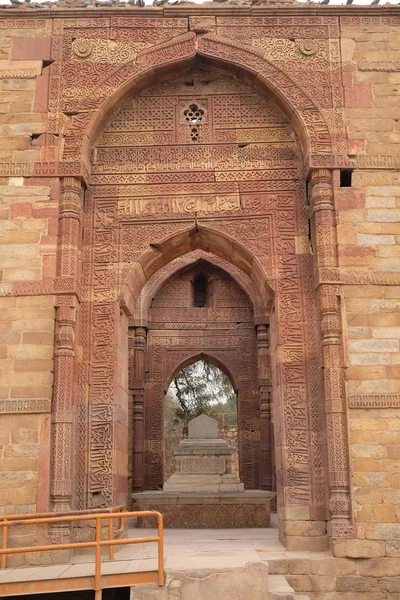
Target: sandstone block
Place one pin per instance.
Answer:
(356, 584)
(359, 549)
(300, 583)
(306, 528)
(393, 549)
(345, 566)
(380, 567)
(299, 566)
(374, 240)
(374, 345)
(382, 531)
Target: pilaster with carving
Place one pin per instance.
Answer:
(64, 355)
(265, 389)
(329, 294)
(136, 385)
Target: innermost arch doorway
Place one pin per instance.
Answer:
(220, 329)
(200, 388)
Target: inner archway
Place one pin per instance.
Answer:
(200, 388)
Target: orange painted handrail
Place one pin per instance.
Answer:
(87, 511)
(6, 522)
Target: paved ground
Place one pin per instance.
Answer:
(183, 549)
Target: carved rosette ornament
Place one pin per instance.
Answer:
(322, 202)
(64, 356)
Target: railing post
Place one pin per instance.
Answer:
(110, 537)
(4, 540)
(97, 571)
(160, 549)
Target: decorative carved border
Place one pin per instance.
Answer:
(379, 161)
(370, 278)
(375, 401)
(31, 405)
(365, 65)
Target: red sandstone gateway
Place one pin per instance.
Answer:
(143, 149)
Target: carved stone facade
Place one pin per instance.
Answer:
(258, 147)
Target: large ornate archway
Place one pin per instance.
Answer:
(266, 239)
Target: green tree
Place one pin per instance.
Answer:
(201, 388)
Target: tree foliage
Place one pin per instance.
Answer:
(201, 388)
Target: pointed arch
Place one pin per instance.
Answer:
(247, 62)
(209, 357)
(156, 281)
(184, 242)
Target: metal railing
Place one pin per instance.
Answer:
(226, 419)
(8, 521)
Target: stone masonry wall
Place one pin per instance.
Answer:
(28, 239)
(369, 245)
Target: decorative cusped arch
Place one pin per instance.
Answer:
(249, 63)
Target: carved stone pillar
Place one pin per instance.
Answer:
(137, 383)
(264, 374)
(64, 356)
(329, 293)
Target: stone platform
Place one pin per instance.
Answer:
(250, 508)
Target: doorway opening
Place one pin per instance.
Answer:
(200, 388)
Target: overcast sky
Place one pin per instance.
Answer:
(332, 2)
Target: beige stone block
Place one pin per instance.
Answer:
(300, 583)
(383, 215)
(323, 583)
(357, 584)
(379, 228)
(393, 549)
(277, 566)
(31, 351)
(352, 216)
(30, 391)
(370, 359)
(366, 464)
(380, 202)
(380, 567)
(359, 333)
(347, 49)
(358, 305)
(21, 274)
(21, 365)
(385, 514)
(358, 549)
(25, 436)
(368, 424)
(323, 566)
(307, 544)
(36, 325)
(44, 378)
(345, 566)
(368, 451)
(382, 531)
(21, 451)
(346, 234)
(375, 437)
(363, 373)
(299, 566)
(374, 345)
(364, 239)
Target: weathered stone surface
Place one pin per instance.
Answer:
(203, 427)
(359, 549)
